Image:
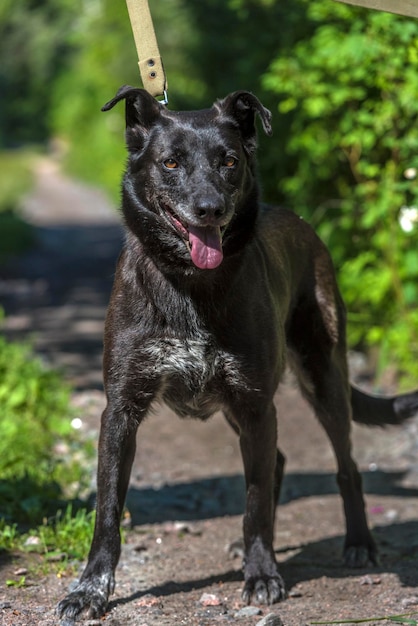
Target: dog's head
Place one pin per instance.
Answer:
(190, 190)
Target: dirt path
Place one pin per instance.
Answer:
(58, 292)
(186, 497)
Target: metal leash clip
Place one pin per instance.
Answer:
(165, 98)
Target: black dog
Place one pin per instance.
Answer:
(213, 294)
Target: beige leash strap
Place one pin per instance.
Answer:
(150, 63)
(403, 7)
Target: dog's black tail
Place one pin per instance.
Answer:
(382, 411)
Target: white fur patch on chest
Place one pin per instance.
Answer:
(187, 358)
(194, 373)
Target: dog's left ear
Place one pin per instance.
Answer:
(141, 109)
(243, 106)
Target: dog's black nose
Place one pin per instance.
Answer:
(209, 212)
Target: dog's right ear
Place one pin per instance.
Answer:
(141, 109)
(243, 106)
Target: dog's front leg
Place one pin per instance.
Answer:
(258, 447)
(116, 454)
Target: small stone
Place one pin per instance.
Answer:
(271, 619)
(147, 601)
(22, 571)
(248, 611)
(140, 547)
(411, 601)
(377, 510)
(370, 580)
(5, 605)
(209, 599)
(182, 528)
(391, 515)
(32, 541)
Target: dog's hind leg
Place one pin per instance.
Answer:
(322, 373)
(116, 453)
(334, 412)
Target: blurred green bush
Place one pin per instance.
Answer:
(349, 93)
(16, 179)
(35, 475)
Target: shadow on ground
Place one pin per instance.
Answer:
(311, 561)
(225, 495)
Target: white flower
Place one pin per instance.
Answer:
(408, 218)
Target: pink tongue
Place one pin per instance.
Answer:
(206, 246)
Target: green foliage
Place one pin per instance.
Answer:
(16, 179)
(9, 536)
(42, 461)
(34, 405)
(16, 235)
(18, 584)
(29, 498)
(68, 534)
(348, 91)
(34, 48)
(64, 537)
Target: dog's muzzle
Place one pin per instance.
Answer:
(204, 242)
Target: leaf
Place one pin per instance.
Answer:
(16, 583)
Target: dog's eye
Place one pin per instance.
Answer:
(229, 161)
(170, 164)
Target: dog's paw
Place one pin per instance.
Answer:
(360, 556)
(266, 590)
(89, 595)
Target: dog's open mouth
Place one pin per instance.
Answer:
(204, 242)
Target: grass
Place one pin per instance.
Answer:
(42, 460)
(36, 416)
(403, 618)
(60, 541)
(67, 534)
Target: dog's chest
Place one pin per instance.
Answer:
(195, 375)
